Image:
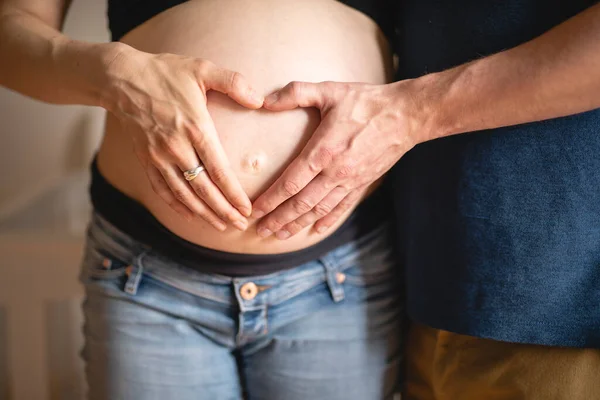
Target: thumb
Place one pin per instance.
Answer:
(295, 94)
(231, 83)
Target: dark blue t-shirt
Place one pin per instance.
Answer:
(499, 229)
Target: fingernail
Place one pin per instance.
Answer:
(220, 226)
(240, 225)
(256, 97)
(246, 212)
(264, 232)
(321, 229)
(282, 235)
(257, 214)
(272, 98)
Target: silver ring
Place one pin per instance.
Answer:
(191, 174)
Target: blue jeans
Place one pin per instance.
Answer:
(154, 329)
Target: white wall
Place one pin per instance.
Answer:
(44, 155)
(40, 143)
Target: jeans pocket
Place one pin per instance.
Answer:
(100, 264)
(372, 262)
(371, 268)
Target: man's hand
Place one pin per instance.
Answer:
(364, 131)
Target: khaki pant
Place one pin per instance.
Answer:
(446, 366)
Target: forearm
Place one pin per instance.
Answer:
(554, 75)
(40, 62)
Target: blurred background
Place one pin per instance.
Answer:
(45, 152)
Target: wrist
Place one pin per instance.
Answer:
(84, 70)
(115, 59)
(431, 104)
(417, 109)
(440, 102)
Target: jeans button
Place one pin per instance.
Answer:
(248, 291)
(106, 263)
(340, 277)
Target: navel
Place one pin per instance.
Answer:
(254, 162)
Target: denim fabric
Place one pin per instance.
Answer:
(500, 229)
(329, 329)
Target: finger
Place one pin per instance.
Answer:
(298, 205)
(346, 204)
(215, 161)
(185, 194)
(212, 196)
(160, 187)
(185, 157)
(315, 156)
(231, 83)
(295, 94)
(322, 209)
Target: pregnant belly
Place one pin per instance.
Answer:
(271, 42)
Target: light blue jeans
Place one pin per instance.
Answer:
(154, 329)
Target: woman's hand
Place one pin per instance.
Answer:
(160, 99)
(364, 131)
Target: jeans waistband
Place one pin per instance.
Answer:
(272, 288)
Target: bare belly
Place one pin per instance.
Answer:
(271, 42)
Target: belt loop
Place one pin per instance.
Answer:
(333, 279)
(134, 272)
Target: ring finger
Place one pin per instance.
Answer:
(214, 198)
(185, 194)
(322, 209)
(347, 203)
(187, 160)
